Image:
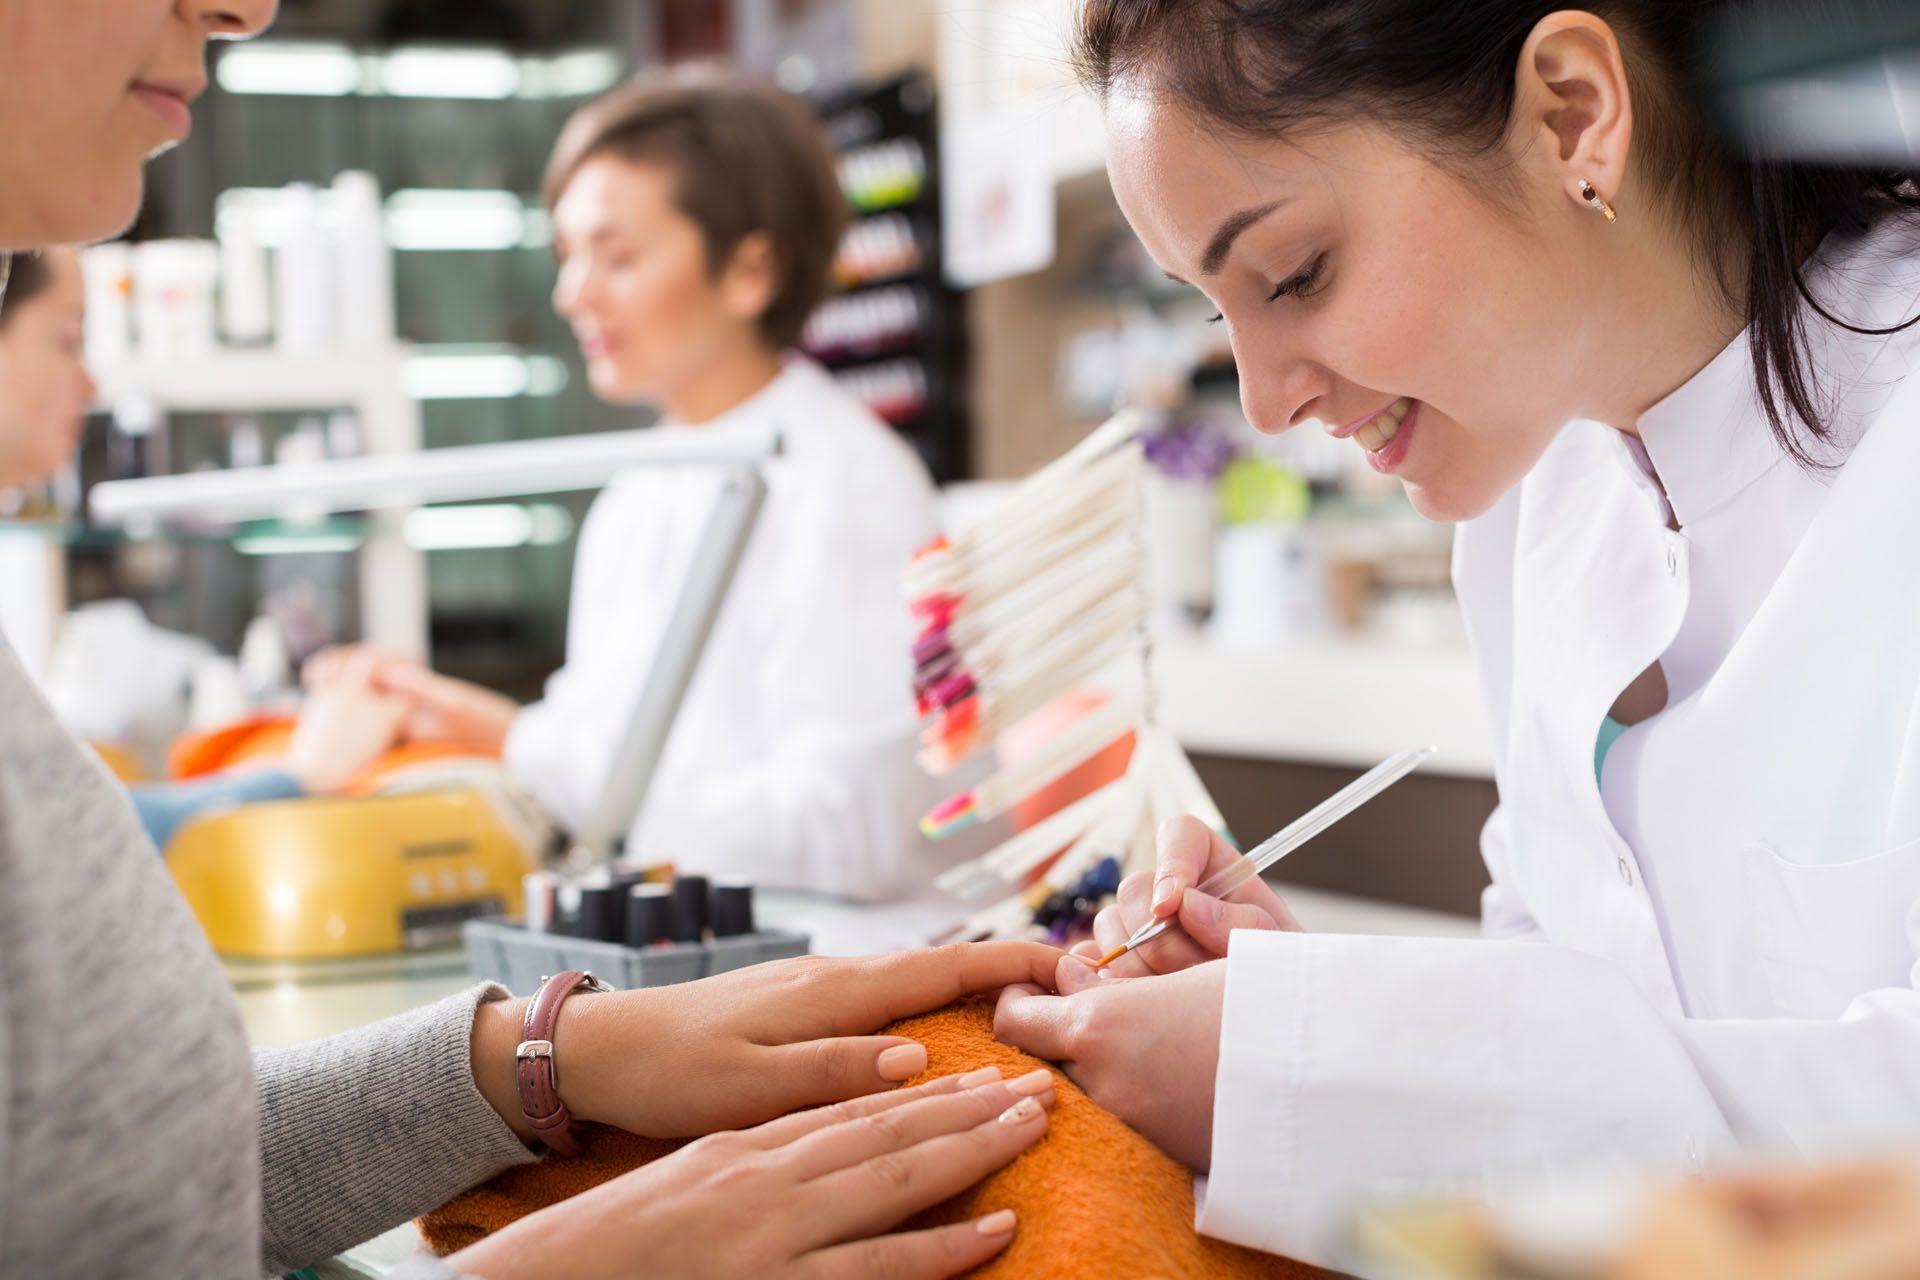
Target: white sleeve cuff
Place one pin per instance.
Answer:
(1361, 1070)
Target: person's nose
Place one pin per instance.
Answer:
(569, 288)
(1279, 389)
(231, 19)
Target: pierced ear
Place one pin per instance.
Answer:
(1572, 89)
(752, 278)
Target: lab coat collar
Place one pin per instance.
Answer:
(1705, 441)
(797, 382)
(1709, 440)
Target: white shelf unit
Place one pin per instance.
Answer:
(393, 581)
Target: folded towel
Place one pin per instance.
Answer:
(1094, 1198)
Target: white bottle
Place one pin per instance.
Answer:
(364, 274)
(246, 293)
(108, 269)
(303, 286)
(173, 284)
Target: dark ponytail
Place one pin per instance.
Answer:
(1443, 72)
(27, 279)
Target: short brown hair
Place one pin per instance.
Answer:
(744, 158)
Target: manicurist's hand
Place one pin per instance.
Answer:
(1189, 852)
(1144, 1048)
(814, 1194)
(746, 1046)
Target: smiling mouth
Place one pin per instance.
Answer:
(1377, 432)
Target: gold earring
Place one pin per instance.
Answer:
(1593, 199)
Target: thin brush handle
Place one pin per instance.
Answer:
(1300, 831)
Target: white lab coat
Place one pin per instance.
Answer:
(1716, 954)
(791, 761)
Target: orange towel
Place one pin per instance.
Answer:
(265, 737)
(1094, 1198)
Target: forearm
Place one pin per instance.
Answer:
(362, 1131)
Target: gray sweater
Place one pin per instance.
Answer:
(140, 1138)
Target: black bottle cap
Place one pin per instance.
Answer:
(601, 913)
(732, 908)
(690, 908)
(649, 915)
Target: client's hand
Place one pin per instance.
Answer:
(440, 708)
(1146, 1048)
(810, 1195)
(344, 726)
(1189, 852)
(1787, 1223)
(743, 1047)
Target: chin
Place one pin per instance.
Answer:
(108, 207)
(1446, 504)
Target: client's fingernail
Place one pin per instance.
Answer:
(902, 1062)
(1077, 969)
(1020, 1112)
(1037, 1081)
(974, 1079)
(996, 1224)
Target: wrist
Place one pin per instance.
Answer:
(496, 1034)
(598, 1040)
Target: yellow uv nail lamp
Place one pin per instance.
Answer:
(322, 879)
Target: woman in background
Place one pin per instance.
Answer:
(695, 225)
(44, 388)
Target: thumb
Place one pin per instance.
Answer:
(1209, 921)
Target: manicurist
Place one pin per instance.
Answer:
(1665, 389)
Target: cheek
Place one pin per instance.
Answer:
(77, 170)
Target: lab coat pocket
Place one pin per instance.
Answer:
(1830, 931)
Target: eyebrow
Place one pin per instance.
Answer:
(1222, 243)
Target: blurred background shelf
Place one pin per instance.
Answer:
(1344, 702)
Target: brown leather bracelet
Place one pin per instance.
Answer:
(534, 1073)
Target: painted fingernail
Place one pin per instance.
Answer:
(1020, 1112)
(996, 1224)
(902, 1062)
(974, 1079)
(1035, 1082)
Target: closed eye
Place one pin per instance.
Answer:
(1303, 284)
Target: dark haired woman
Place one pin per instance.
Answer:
(1666, 388)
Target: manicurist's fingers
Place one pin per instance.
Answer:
(1208, 921)
(1188, 851)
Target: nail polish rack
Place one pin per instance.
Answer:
(629, 928)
